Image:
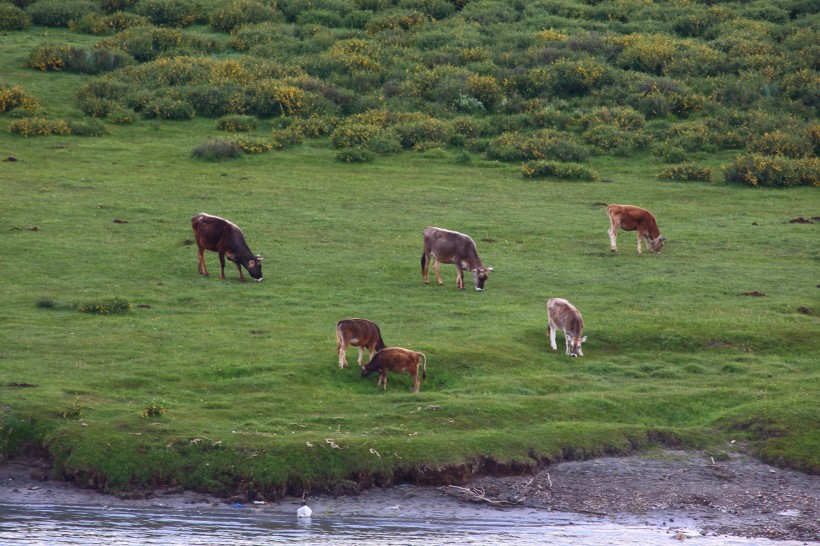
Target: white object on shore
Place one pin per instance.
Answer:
(304, 511)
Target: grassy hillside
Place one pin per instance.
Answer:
(224, 386)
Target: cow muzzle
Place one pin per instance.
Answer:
(479, 289)
(573, 355)
(259, 279)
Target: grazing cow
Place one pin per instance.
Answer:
(396, 359)
(562, 315)
(360, 333)
(220, 235)
(630, 218)
(452, 247)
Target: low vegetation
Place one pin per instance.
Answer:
(333, 133)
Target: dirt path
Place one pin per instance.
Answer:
(739, 497)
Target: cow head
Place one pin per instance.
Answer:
(254, 267)
(575, 346)
(480, 275)
(657, 244)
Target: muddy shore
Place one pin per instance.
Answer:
(665, 489)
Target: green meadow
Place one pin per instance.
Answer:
(230, 387)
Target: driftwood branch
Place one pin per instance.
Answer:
(476, 494)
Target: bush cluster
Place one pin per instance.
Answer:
(686, 172)
(236, 123)
(60, 13)
(36, 126)
(15, 97)
(77, 59)
(217, 150)
(13, 18)
(554, 169)
(775, 171)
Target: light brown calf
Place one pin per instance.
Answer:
(631, 218)
(398, 360)
(562, 315)
(360, 333)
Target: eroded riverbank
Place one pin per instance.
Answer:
(669, 490)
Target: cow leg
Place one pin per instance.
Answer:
(436, 271)
(342, 357)
(639, 243)
(613, 234)
(415, 380)
(222, 265)
(383, 379)
(425, 267)
(460, 277)
(553, 344)
(361, 353)
(201, 266)
(241, 276)
(568, 343)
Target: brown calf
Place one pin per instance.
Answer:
(562, 315)
(452, 247)
(631, 218)
(396, 359)
(360, 333)
(222, 236)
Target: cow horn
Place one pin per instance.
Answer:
(661, 238)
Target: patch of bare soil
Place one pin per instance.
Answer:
(740, 497)
(665, 488)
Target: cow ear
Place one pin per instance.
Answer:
(251, 263)
(490, 269)
(661, 238)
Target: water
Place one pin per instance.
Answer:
(59, 524)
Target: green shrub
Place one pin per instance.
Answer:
(110, 6)
(31, 126)
(106, 306)
(78, 60)
(396, 21)
(385, 143)
(242, 12)
(272, 98)
(553, 169)
(281, 138)
(686, 172)
(777, 171)
(416, 133)
(355, 155)
(148, 43)
(615, 139)
(110, 23)
(75, 410)
(789, 144)
(217, 150)
(236, 123)
(350, 135)
(60, 13)
(253, 145)
(170, 13)
(170, 109)
(569, 78)
(152, 409)
(15, 97)
(86, 127)
(13, 18)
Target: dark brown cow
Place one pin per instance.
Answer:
(562, 315)
(361, 333)
(631, 218)
(219, 235)
(452, 247)
(396, 359)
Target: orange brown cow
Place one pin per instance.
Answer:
(398, 360)
(632, 218)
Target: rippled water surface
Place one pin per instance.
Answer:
(56, 524)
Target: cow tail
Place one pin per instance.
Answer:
(423, 260)
(424, 367)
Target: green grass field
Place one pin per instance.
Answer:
(248, 372)
(712, 344)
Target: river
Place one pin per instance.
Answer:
(56, 524)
